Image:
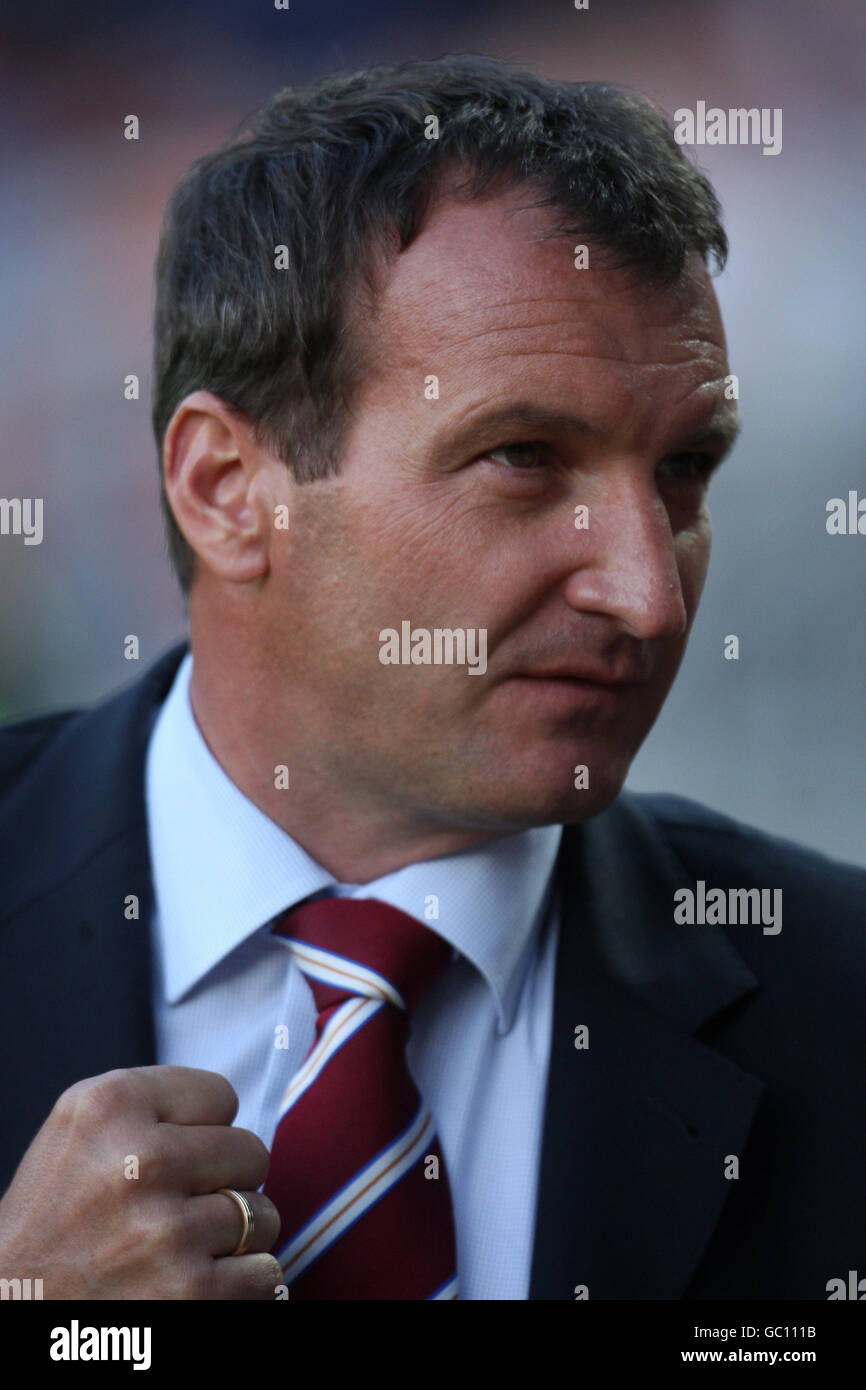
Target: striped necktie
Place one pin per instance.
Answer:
(356, 1171)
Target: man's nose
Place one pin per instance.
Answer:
(625, 562)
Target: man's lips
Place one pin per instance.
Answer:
(587, 675)
(578, 692)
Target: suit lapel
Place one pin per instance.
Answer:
(638, 1124)
(74, 943)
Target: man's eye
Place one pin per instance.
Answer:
(518, 457)
(689, 468)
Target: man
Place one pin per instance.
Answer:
(440, 385)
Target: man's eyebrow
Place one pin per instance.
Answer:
(721, 431)
(520, 416)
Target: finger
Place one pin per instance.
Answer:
(217, 1223)
(195, 1159)
(247, 1277)
(187, 1095)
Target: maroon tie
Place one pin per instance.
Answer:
(356, 1172)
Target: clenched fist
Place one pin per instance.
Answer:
(75, 1218)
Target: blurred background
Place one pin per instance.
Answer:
(776, 738)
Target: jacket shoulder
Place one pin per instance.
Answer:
(72, 786)
(822, 900)
(23, 741)
(814, 958)
(697, 830)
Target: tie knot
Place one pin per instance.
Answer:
(363, 946)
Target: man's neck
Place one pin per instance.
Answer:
(353, 836)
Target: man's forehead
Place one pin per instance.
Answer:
(482, 275)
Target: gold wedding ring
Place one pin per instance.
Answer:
(246, 1213)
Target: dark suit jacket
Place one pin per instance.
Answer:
(704, 1041)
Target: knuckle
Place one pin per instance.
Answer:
(166, 1156)
(213, 1082)
(231, 1095)
(99, 1098)
(270, 1217)
(257, 1155)
(269, 1208)
(73, 1100)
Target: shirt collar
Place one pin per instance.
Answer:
(488, 902)
(223, 870)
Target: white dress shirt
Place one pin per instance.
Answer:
(226, 990)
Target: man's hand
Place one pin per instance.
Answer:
(74, 1216)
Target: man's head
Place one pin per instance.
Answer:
(430, 378)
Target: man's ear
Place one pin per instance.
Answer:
(213, 471)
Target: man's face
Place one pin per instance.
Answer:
(558, 388)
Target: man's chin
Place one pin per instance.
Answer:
(578, 805)
(568, 785)
(524, 811)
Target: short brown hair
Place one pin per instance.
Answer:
(340, 169)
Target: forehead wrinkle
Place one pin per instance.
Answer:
(436, 334)
(583, 344)
(584, 350)
(436, 294)
(479, 320)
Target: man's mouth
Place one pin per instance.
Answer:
(575, 695)
(606, 677)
